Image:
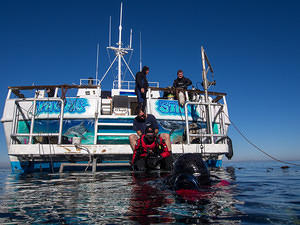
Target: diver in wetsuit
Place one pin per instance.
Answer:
(150, 152)
(181, 81)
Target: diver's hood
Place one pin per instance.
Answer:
(191, 168)
(186, 182)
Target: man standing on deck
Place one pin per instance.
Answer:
(141, 86)
(140, 123)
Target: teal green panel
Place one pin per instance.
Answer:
(215, 128)
(115, 129)
(23, 127)
(113, 140)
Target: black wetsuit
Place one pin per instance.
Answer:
(182, 83)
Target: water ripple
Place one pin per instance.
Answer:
(258, 193)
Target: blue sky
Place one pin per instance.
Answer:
(253, 47)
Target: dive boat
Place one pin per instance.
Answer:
(46, 128)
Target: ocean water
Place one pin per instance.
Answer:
(241, 193)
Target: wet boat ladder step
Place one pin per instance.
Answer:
(94, 165)
(114, 134)
(116, 124)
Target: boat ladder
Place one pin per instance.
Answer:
(94, 165)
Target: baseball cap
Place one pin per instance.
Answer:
(149, 130)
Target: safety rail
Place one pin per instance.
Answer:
(16, 90)
(219, 95)
(209, 127)
(31, 135)
(130, 85)
(89, 81)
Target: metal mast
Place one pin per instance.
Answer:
(140, 51)
(205, 86)
(204, 77)
(120, 52)
(97, 64)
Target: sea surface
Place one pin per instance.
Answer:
(259, 192)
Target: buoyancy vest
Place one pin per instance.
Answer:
(158, 147)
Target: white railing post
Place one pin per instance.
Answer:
(8, 94)
(13, 128)
(32, 121)
(210, 123)
(61, 120)
(187, 122)
(148, 101)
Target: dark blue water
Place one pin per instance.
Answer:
(257, 193)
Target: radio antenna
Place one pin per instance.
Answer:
(130, 41)
(109, 32)
(97, 64)
(140, 51)
(120, 52)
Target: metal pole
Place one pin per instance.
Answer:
(119, 54)
(210, 123)
(97, 64)
(148, 100)
(8, 94)
(128, 68)
(130, 42)
(56, 91)
(61, 120)
(205, 86)
(204, 78)
(96, 117)
(13, 128)
(32, 121)
(140, 51)
(108, 70)
(187, 122)
(109, 33)
(119, 70)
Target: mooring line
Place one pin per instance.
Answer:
(255, 146)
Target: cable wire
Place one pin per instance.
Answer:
(255, 146)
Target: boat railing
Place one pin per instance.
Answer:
(130, 85)
(217, 95)
(40, 90)
(213, 138)
(196, 98)
(89, 81)
(18, 111)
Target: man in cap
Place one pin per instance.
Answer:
(140, 122)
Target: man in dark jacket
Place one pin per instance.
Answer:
(181, 81)
(140, 123)
(141, 86)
